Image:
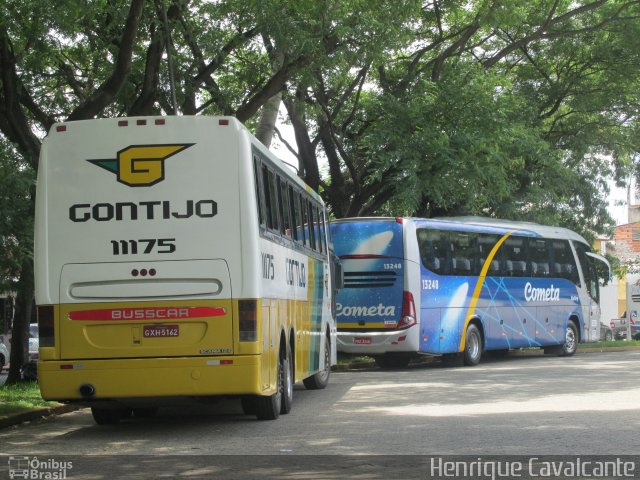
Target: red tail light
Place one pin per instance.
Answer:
(408, 311)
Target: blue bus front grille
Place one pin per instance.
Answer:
(369, 279)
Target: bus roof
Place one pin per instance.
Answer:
(484, 222)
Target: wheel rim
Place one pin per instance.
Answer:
(473, 345)
(570, 340)
(288, 383)
(281, 385)
(324, 373)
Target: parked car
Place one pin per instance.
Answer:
(621, 326)
(4, 353)
(606, 332)
(30, 370)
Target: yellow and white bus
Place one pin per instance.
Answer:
(177, 257)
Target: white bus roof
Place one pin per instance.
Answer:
(542, 230)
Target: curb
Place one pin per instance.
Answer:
(40, 413)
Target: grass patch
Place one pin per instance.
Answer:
(348, 360)
(610, 345)
(21, 397)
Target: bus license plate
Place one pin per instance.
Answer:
(362, 341)
(158, 331)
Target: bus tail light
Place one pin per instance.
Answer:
(46, 330)
(408, 317)
(248, 324)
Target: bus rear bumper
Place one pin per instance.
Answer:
(373, 343)
(152, 377)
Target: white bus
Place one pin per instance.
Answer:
(461, 286)
(177, 257)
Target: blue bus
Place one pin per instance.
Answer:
(458, 287)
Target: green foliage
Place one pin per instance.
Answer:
(17, 181)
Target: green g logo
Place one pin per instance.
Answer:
(141, 165)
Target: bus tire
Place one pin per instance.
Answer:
(570, 341)
(319, 380)
(472, 346)
(287, 383)
(108, 416)
(268, 407)
(391, 362)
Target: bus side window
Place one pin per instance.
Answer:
(312, 238)
(462, 253)
(293, 214)
(433, 249)
(515, 257)
(325, 248)
(299, 218)
(259, 200)
(305, 223)
(270, 207)
(316, 229)
(539, 257)
(564, 264)
(283, 208)
(486, 242)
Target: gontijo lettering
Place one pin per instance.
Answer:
(150, 210)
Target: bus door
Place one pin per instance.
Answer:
(596, 271)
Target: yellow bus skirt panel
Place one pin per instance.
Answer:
(148, 378)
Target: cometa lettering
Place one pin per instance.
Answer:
(373, 311)
(532, 294)
(151, 210)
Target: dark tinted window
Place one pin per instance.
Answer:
(540, 256)
(486, 242)
(434, 246)
(515, 257)
(463, 258)
(259, 201)
(564, 265)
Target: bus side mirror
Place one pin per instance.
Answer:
(338, 276)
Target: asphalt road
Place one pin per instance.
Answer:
(584, 405)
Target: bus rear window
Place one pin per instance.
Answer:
(381, 239)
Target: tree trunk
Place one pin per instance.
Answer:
(269, 112)
(268, 118)
(20, 334)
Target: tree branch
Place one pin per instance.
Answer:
(112, 86)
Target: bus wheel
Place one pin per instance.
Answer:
(320, 380)
(108, 416)
(473, 346)
(268, 408)
(287, 383)
(570, 341)
(392, 361)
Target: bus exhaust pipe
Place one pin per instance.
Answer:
(87, 390)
